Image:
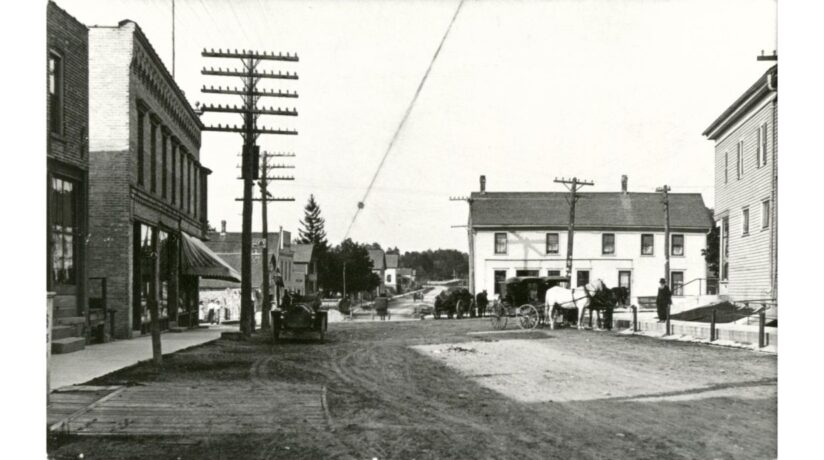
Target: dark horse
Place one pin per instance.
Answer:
(606, 300)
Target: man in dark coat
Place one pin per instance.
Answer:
(663, 299)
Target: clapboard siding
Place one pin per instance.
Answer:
(750, 267)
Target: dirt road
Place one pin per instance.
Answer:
(451, 389)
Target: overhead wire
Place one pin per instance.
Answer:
(362, 202)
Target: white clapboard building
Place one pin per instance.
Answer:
(619, 238)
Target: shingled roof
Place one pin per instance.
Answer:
(392, 260)
(615, 210)
(303, 253)
(377, 257)
(227, 246)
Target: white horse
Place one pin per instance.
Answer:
(570, 299)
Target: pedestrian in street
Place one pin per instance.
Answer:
(663, 299)
(211, 311)
(287, 299)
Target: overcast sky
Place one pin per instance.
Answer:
(521, 92)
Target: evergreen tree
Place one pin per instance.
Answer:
(313, 226)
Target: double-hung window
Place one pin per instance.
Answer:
(677, 245)
(500, 243)
(745, 221)
(765, 214)
(647, 244)
(55, 93)
(762, 145)
(739, 161)
(608, 243)
(552, 243)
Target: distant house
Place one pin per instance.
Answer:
(619, 238)
(391, 272)
(305, 268)
(378, 258)
(746, 188)
(227, 245)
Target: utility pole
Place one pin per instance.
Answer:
(250, 94)
(573, 185)
(471, 238)
(665, 200)
(265, 199)
(344, 280)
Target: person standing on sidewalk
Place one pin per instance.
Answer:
(663, 299)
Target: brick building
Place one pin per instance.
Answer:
(147, 205)
(67, 169)
(746, 188)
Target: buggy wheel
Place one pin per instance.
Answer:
(528, 317)
(497, 317)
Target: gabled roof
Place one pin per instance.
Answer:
(227, 247)
(392, 260)
(743, 103)
(303, 253)
(377, 257)
(614, 210)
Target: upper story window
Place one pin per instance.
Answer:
(608, 243)
(552, 243)
(765, 213)
(726, 167)
(153, 158)
(677, 245)
(745, 221)
(647, 244)
(739, 160)
(174, 172)
(500, 243)
(141, 122)
(55, 93)
(762, 145)
(163, 164)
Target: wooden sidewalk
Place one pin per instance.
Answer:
(191, 409)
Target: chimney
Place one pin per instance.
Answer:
(223, 227)
(624, 181)
(483, 184)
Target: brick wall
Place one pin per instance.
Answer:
(69, 39)
(124, 80)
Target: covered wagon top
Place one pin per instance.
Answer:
(593, 211)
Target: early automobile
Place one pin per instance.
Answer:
(303, 315)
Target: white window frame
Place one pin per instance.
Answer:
(683, 245)
(558, 243)
(763, 146)
(745, 221)
(765, 214)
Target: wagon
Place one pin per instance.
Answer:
(298, 318)
(382, 308)
(454, 301)
(522, 298)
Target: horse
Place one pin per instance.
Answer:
(578, 298)
(607, 299)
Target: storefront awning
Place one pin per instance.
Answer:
(198, 260)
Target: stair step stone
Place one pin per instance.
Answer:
(68, 345)
(63, 332)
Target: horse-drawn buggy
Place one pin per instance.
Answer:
(454, 301)
(534, 301)
(381, 308)
(522, 298)
(301, 315)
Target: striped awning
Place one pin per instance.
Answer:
(198, 260)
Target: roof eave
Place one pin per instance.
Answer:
(740, 106)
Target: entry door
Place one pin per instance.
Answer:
(582, 277)
(625, 281)
(677, 283)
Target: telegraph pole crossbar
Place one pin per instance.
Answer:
(251, 75)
